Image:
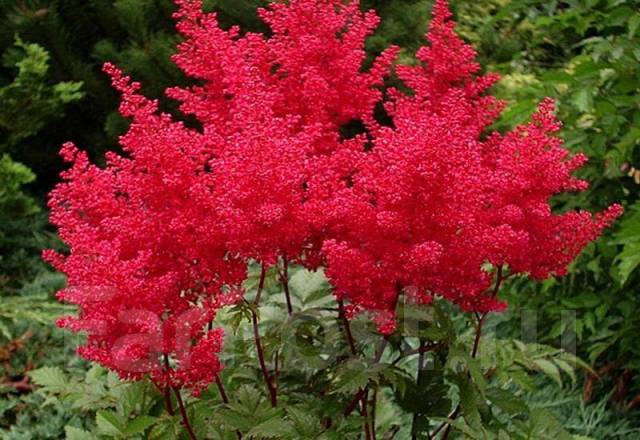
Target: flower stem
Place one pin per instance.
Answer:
(183, 413)
(352, 346)
(223, 394)
(365, 414)
(474, 353)
(225, 399)
(347, 327)
(421, 352)
(284, 279)
(361, 396)
(260, 351)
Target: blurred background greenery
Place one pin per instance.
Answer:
(585, 53)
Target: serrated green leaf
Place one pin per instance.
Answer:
(305, 421)
(49, 377)
(73, 433)
(507, 401)
(94, 374)
(139, 425)
(567, 368)
(583, 100)
(469, 401)
(275, 428)
(476, 373)
(167, 430)
(549, 368)
(353, 376)
(429, 395)
(633, 24)
(628, 261)
(131, 398)
(108, 423)
(586, 300)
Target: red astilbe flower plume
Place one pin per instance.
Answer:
(159, 238)
(433, 202)
(147, 264)
(158, 234)
(271, 109)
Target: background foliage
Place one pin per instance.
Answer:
(584, 53)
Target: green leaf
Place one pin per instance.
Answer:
(132, 398)
(73, 433)
(427, 396)
(567, 368)
(139, 425)
(545, 426)
(548, 368)
(507, 401)
(469, 401)
(463, 427)
(272, 428)
(49, 377)
(353, 376)
(94, 374)
(108, 423)
(586, 300)
(476, 373)
(305, 421)
(4, 330)
(633, 24)
(169, 429)
(583, 100)
(629, 260)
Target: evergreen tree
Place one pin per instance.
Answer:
(29, 103)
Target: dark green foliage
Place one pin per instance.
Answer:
(17, 212)
(29, 103)
(585, 54)
(404, 23)
(595, 420)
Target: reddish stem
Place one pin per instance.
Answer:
(284, 279)
(256, 334)
(347, 327)
(362, 395)
(223, 394)
(225, 399)
(352, 405)
(185, 417)
(474, 352)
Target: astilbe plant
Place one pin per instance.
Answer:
(423, 203)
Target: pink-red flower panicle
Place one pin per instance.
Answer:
(160, 237)
(433, 201)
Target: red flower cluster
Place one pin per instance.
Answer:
(433, 201)
(146, 253)
(161, 236)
